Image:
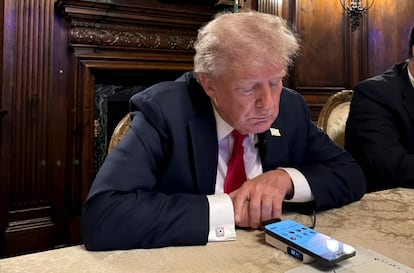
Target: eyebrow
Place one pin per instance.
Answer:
(248, 81)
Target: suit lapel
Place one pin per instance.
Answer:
(407, 93)
(203, 146)
(275, 147)
(203, 135)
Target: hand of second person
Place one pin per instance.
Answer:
(261, 198)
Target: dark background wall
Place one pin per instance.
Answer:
(55, 52)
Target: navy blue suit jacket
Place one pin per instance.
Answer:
(380, 129)
(151, 190)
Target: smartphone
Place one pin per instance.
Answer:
(304, 243)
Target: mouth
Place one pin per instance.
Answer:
(260, 122)
(262, 119)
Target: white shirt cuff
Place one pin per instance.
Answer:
(302, 192)
(222, 227)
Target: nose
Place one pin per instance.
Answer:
(264, 99)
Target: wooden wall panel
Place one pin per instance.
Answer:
(321, 67)
(24, 149)
(389, 25)
(271, 7)
(3, 113)
(321, 30)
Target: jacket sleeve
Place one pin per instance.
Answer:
(379, 131)
(334, 177)
(125, 208)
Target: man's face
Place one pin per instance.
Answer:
(247, 100)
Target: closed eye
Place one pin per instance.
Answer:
(247, 90)
(274, 84)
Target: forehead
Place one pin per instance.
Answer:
(254, 74)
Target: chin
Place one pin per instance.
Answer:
(260, 128)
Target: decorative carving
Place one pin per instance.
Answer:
(86, 32)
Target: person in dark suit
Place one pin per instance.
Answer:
(380, 127)
(165, 182)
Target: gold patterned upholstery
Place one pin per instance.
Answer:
(334, 114)
(119, 132)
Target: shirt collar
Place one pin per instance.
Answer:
(224, 129)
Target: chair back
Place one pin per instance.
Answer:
(119, 132)
(334, 114)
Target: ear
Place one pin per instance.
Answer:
(207, 84)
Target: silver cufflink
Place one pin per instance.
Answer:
(219, 231)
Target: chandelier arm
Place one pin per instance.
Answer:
(342, 4)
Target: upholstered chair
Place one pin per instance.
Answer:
(334, 114)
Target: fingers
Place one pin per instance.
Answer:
(277, 209)
(251, 207)
(255, 211)
(263, 207)
(240, 205)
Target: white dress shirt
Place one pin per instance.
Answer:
(222, 226)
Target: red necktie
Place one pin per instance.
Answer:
(236, 174)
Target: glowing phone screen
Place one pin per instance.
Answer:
(309, 239)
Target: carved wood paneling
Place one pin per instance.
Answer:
(271, 7)
(98, 34)
(24, 149)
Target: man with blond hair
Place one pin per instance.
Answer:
(174, 180)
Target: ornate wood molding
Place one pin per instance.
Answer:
(149, 37)
(137, 26)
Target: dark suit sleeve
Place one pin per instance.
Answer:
(379, 131)
(126, 208)
(333, 175)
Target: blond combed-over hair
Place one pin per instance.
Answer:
(246, 38)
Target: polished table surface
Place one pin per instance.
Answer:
(382, 221)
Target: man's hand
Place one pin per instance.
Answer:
(261, 198)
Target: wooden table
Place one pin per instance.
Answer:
(381, 221)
